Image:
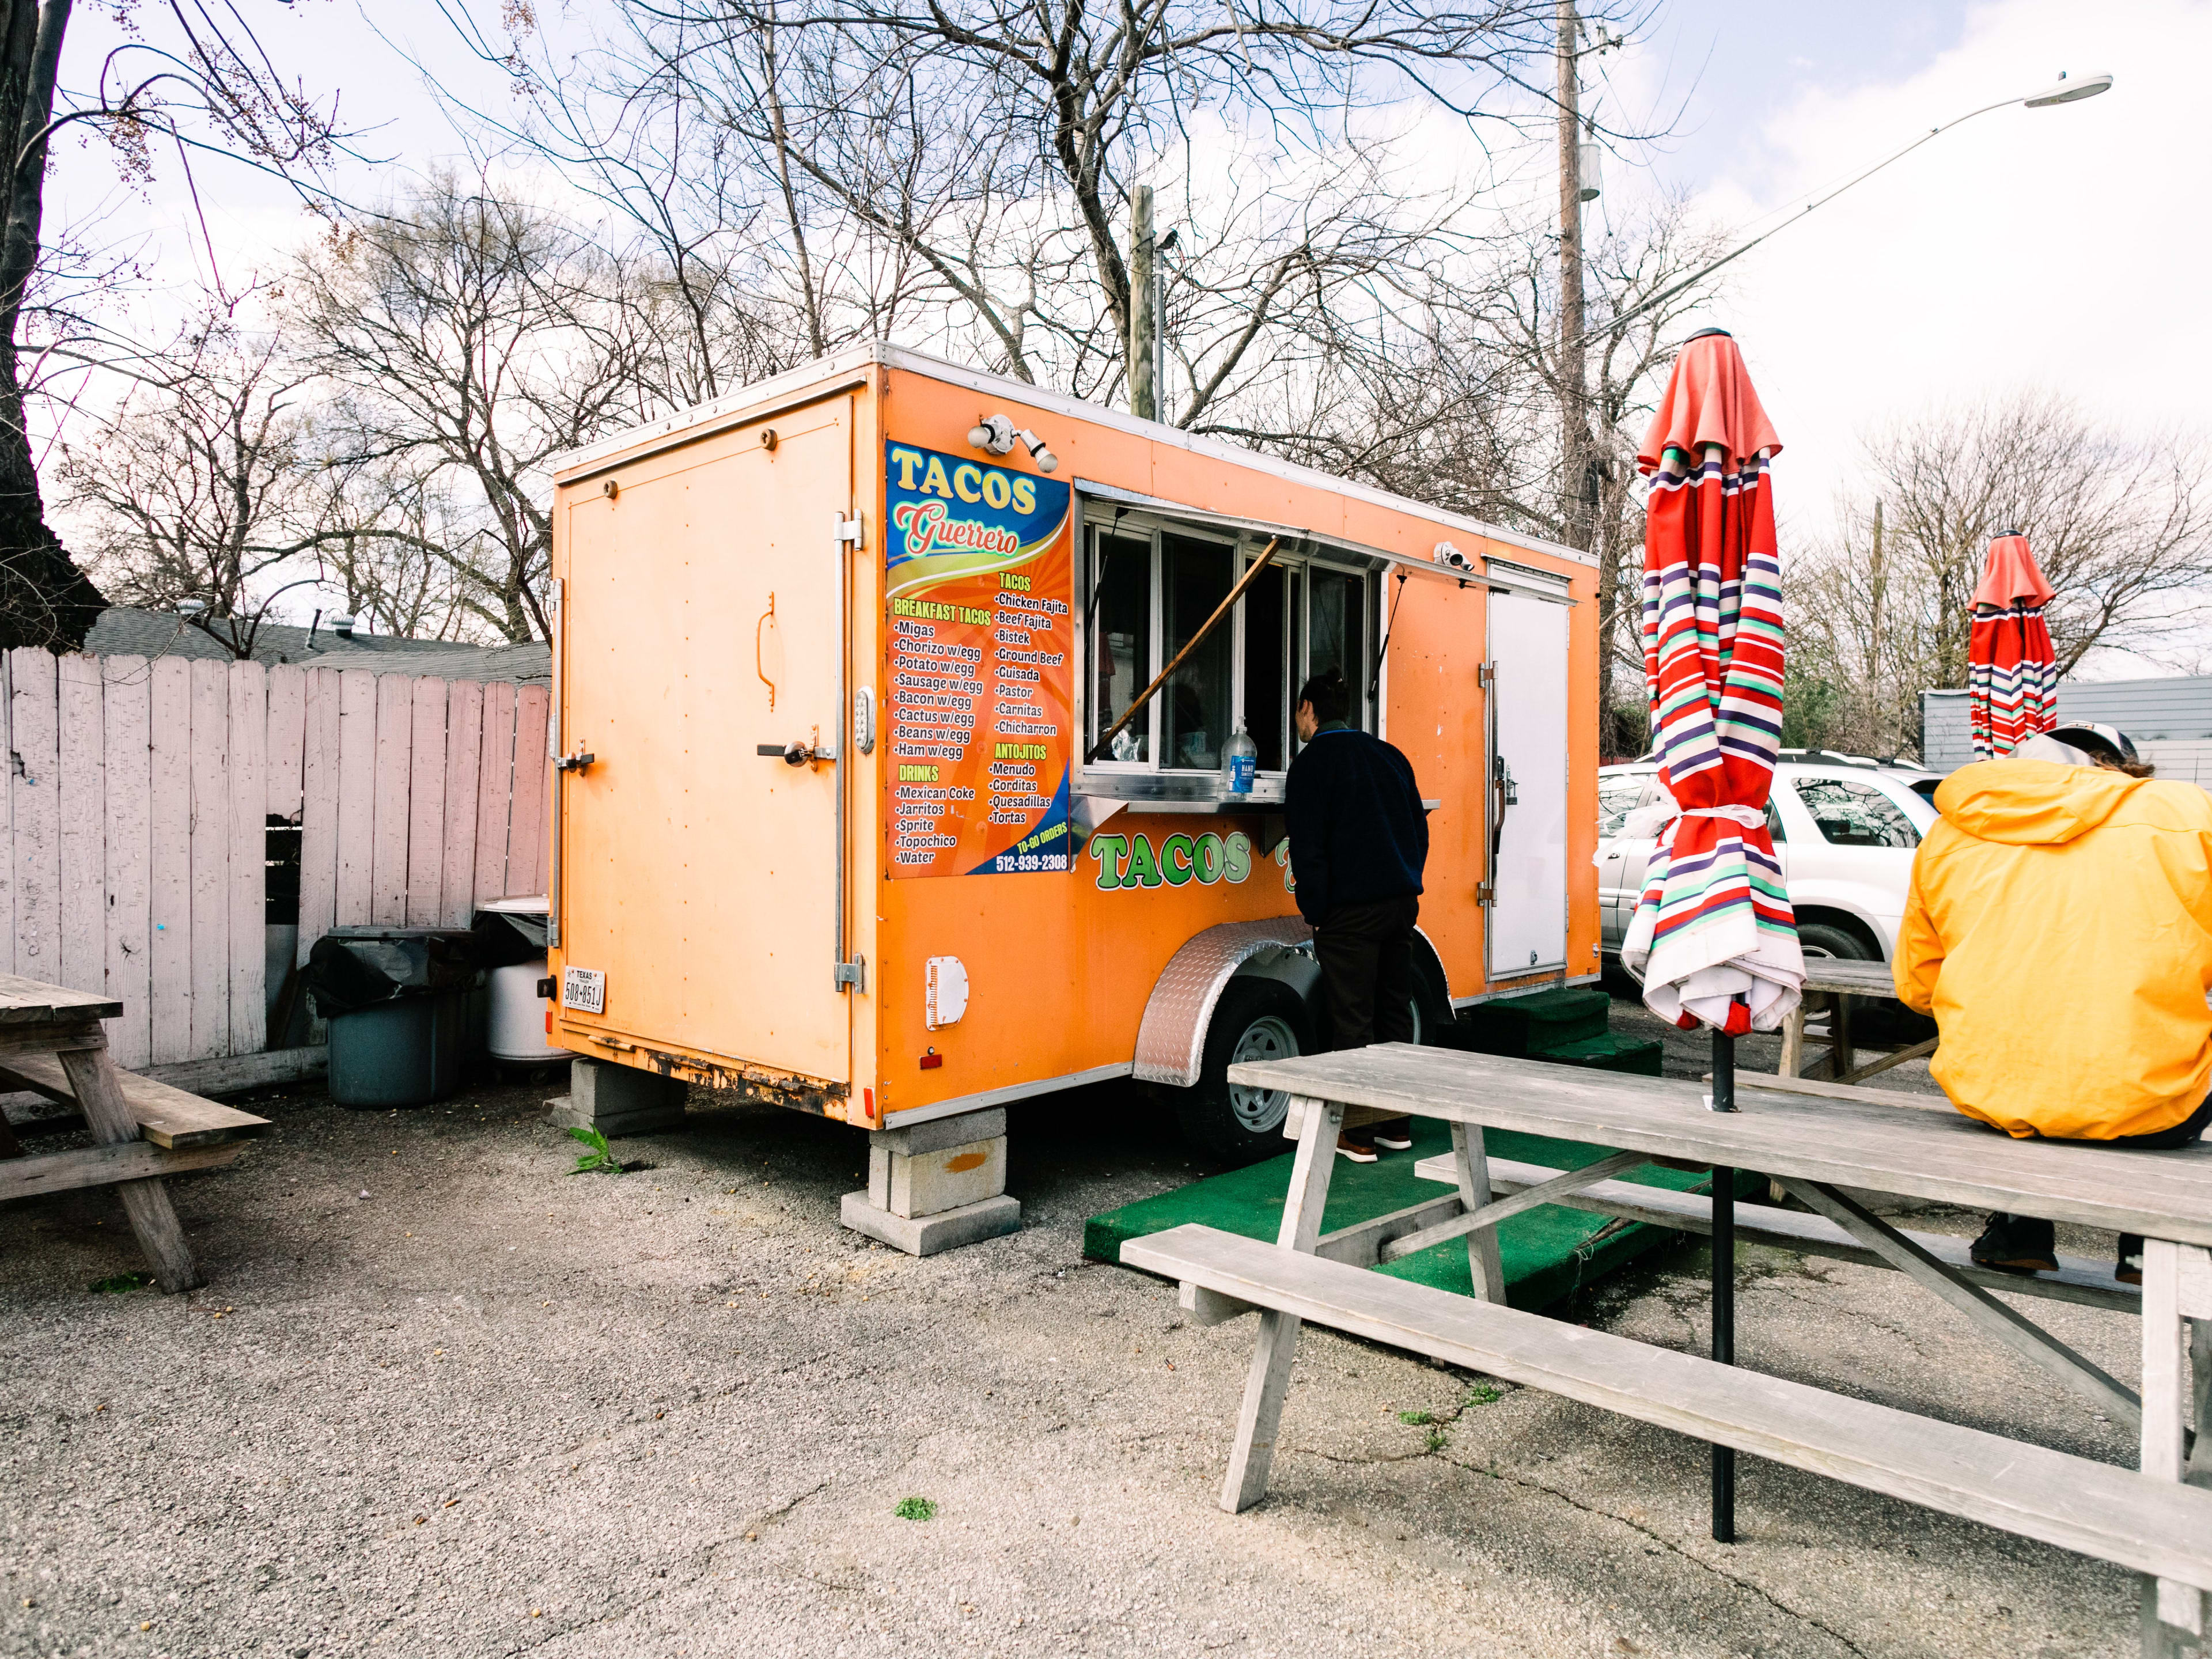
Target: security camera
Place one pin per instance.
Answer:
(1447, 555)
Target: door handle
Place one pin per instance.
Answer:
(812, 752)
(574, 762)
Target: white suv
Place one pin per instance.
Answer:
(1844, 826)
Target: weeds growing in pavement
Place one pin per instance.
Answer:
(915, 1509)
(597, 1159)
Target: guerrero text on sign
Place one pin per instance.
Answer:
(979, 569)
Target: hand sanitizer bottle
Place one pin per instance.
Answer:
(1240, 760)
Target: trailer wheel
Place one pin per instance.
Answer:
(1255, 1019)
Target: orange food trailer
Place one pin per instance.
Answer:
(832, 823)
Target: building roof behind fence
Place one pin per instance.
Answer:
(126, 631)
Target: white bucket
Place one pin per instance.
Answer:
(518, 1016)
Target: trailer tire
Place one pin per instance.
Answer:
(1255, 1019)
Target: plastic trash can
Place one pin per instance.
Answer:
(406, 1052)
(398, 1001)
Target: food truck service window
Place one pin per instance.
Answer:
(1150, 586)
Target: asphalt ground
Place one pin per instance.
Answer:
(441, 1397)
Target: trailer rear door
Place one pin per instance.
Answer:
(702, 625)
(1527, 930)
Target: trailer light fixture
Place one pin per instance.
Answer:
(996, 434)
(932, 1061)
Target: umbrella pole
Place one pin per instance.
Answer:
(1723, 1193)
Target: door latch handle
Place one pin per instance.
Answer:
(574, 762)
(813, 752)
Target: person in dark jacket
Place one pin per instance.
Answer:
(1359, 839)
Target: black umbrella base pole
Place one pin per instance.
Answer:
(1723, 1192)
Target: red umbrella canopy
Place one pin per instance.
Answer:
(1714, 939)
(2011, 672)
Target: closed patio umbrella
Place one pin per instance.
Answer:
(1714, 939)
(2012, 673)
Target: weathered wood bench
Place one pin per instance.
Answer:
(50, 1040)
(1815, 1145)
(166, 1116)
(2078, 1279)
(2152, 1526)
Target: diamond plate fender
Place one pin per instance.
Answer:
(1171, 1041)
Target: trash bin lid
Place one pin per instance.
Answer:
(358, 967)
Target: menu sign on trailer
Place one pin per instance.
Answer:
(979, 570)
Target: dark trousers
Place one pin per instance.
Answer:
(1366, 956)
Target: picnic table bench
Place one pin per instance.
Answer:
(50, 1041)
(1848, 982)
(2152, 1519)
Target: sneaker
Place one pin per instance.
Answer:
(2016, 1244)
(1396, 1136)
(2129, 1270)
(1358, 1151)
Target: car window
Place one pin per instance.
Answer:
(1774, 822)
(1852, 814)
(1616, 798)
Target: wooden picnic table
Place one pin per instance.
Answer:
(1815, 1145)
(52, 1042)
(1848, 982)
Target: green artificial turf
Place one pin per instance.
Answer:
(1548, 1251)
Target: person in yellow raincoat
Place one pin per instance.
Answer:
(2059, 929)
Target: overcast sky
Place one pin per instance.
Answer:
(2060, 247)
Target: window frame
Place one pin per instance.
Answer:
(1869, 780)
(1102, 519)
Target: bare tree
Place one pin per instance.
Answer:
(472, 338)
(1453, 398)
(2121, 523)
(196, 81)
(902, 170)
(190, 490)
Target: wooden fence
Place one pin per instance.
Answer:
(138, 803)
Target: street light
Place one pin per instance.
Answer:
(2061, 91)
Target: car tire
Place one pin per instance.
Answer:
(1823, 938)
(1254, 1019)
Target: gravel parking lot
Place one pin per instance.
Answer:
(440, 1397)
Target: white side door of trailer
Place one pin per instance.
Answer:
(1527, 902)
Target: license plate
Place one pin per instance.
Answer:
(583, 989)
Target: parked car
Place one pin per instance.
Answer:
(1844, 826)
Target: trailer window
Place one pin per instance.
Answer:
(1335, 636)
(1196, 576)
(1122, 640)
(1151, 590)
(1266, 612)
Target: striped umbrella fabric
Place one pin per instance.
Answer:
(2011, 672)
(1714, 939)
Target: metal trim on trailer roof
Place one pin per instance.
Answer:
(680, 428)
(1093, 491)
(1523, 579)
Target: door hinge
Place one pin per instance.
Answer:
(1484, 893)
(853, 973)
(1485, 674)
(853, 532)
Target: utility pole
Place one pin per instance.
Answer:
(1143, 314)
(1574, 397)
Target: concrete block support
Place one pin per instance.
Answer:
(936, 1185)
(617, 1100)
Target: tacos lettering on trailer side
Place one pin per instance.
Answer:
(979, 572)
